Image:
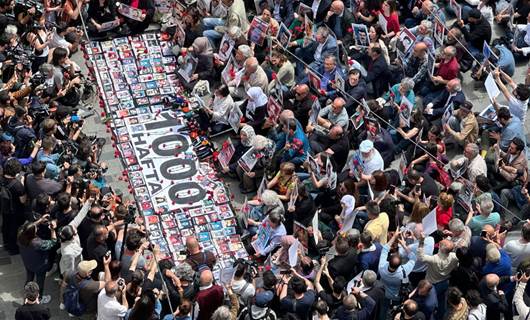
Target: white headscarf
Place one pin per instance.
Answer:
(256, 98)
(349, 205)
(249, 131)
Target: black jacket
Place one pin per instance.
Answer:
(378, 75)
(477, 33)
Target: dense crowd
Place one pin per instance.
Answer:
(381, 193)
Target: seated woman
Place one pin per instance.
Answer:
(215, 116)
(268, 204)
(261, 51)
(347, 215)
(303, 210)
(274, 221)
(435, 136)
(284, 181)
(100, 12)
(249, 180)
(406, 133)
(319, 182)
(396, 94)
(280, 70)
(136, 24)
(246, 136)
(202, 50)
(521, 42)
(255, 109)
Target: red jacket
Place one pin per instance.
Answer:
(443, 216)
(448, 70)
(209, 300)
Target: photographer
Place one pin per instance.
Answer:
(357, 305)
(242, 283)
(27, 12)
(520, 305)
(39, 39)
(70, 80)
(65, 37)
(53, 171)
(35, 252)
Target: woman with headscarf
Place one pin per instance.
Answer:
(246, 136)
(202, 50)
(348, 211)
(256, 108)
(268, 204)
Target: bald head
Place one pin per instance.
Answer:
(206, 278)
(286, 115)
(454, 85)
(426, 7)
(111, 288)
(251, 65)
(419, 49)
(446, 246)
(335, 132)
(492, 280)
(337, 7)
(349, 302)
(192, 245)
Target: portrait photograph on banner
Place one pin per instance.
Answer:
(284, 35)
(226, 48)
(258, 31)
(187, 68)
(406, 40)
(360, 34)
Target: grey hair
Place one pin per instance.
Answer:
(245, 50)
(234, 32)
(369, 278)
(184, 271)
(45, 68)
(330, 56)
(427, 24)
(452, 49)
(353, 235)
(260, 142)
(485, 203)
(269, 197)
(474, 149)
(11, 30)
(323, 31)
(221, 313)
(407, 83)
(456, 225)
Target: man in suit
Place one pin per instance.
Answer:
(378, 72)
(339, 21)
(320, 9)
(452, 94)
(374, 289)
(315, 53)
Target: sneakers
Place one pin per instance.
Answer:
(45, 299)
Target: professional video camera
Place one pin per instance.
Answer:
(251, 270)
(28, 4)
(20, 55)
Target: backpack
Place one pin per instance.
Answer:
(71, 300)
(246, 314)
(6, 199)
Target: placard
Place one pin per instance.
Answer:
(226, 48)
(226, 153)
(360, 35)
(258, 31)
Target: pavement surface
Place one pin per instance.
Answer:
(12, 273)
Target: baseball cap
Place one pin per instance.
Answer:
(86, 266)
(7, 137)
(264, 298)
(366, 146)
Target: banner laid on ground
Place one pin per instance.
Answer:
(178, 195)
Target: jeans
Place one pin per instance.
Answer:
(209, 25)
(441, 290)
(38, 277)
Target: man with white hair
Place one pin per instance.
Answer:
(374, 289)
(452, 95)
(439, 268)
(253, 76)
(370, 161)
(314, 54)
(484, 205)
(458, 233)
(472, 163)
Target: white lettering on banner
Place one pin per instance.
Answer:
(169, 164)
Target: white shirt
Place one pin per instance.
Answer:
(374, 163)
(58, 41)
(109, 308)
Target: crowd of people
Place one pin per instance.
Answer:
(394, 193)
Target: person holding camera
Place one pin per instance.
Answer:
(108, 306)
(409, 311)
(35, 251)
(356, 305)
(518, 301)
(242, 283)
(39, 39)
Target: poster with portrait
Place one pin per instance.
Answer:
(357, 164)
(447, 114)
(249, 159)
(487, 52)
(258, 31)
(308, 29)
(131, 13)
(180, 34)
(431, 64)
(274, 108)
(226, 153)
(284, 35)
(315, 110)
(457, 9)
(187, 68)
(262, 238)
(339, 82)
(360, 34)
(439, 33)
(465, 196)
(106, 26)
(260, 5)
(314, 80)
(382, 22)
(234, 117)
(406, 40)
(405, 110)
(357, 120)
(226, 47)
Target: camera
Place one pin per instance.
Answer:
(28, 4)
